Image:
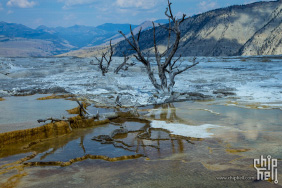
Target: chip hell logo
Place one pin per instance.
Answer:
(266, 168)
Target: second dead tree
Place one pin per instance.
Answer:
(105, 68)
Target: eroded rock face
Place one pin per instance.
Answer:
(267, 40)
(252, 29)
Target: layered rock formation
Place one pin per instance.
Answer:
(253, 29)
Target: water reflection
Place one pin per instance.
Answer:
(167, 112)
(140, 139)
(248, 133)
(22, 112)
(259, 131)
(143, 139)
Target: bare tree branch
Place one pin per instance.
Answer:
(183, 18)
(111, 54)
(169, 34)
(81, 108)
(105, 68)
(92, 62)
(187, 67)
(139, 34)
(166, 28)
(176, 61)
(97, 59)
(157, 54)
(124, 64)
(135, 46)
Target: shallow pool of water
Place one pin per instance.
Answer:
(22, 112)
(168, 160)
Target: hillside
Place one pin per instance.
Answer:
(267, 40)
(17, 40)
(135, 29)
(253, 29)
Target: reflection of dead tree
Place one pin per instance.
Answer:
(49, 153)
(137, 144)
(105, 68)
(169, 112)
(166, 112)
(180, 145)
(109, 139)
(82, 144)
(172, 146)
(169, 68)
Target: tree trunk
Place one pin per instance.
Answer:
(152, 78)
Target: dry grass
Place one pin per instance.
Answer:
(87, 52)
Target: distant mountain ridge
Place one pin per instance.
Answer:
(252, 29)
(17, 40)
(144, 25)
(20, 40)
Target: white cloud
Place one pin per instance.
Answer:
(69, 17)
(21, 3)
(207, 5)
(117, 5)
(69, 3)
(140, 4)
(10, 12)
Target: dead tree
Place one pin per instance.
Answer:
(126, 58)
(167, 69)
(124, 65)
(102, 67)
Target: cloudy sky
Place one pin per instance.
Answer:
(96, 12)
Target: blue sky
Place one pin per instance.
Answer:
(54, 13)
